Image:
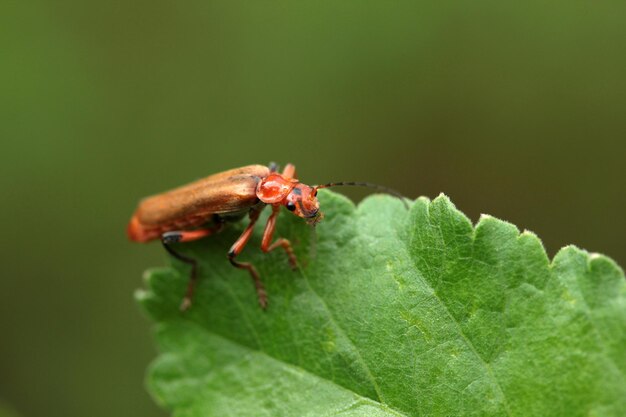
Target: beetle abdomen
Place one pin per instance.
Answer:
(139, 232)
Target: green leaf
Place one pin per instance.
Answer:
(392, 313)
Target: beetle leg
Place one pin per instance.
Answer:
(168, 238)
(266, 244)
(236, 250)
(290, 171)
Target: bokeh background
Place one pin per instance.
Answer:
(516, 109)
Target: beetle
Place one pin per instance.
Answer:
(201, 208)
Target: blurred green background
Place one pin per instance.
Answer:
(516, 109)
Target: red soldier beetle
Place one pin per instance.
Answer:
(201, 208)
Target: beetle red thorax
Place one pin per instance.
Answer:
(274, 188)
(296, 197)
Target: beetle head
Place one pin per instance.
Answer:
(302, 201)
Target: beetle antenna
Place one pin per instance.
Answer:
(386, 190)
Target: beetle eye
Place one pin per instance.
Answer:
(291, 206)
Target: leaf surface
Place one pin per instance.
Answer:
(392, 313)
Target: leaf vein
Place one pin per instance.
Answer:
(452, 319)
